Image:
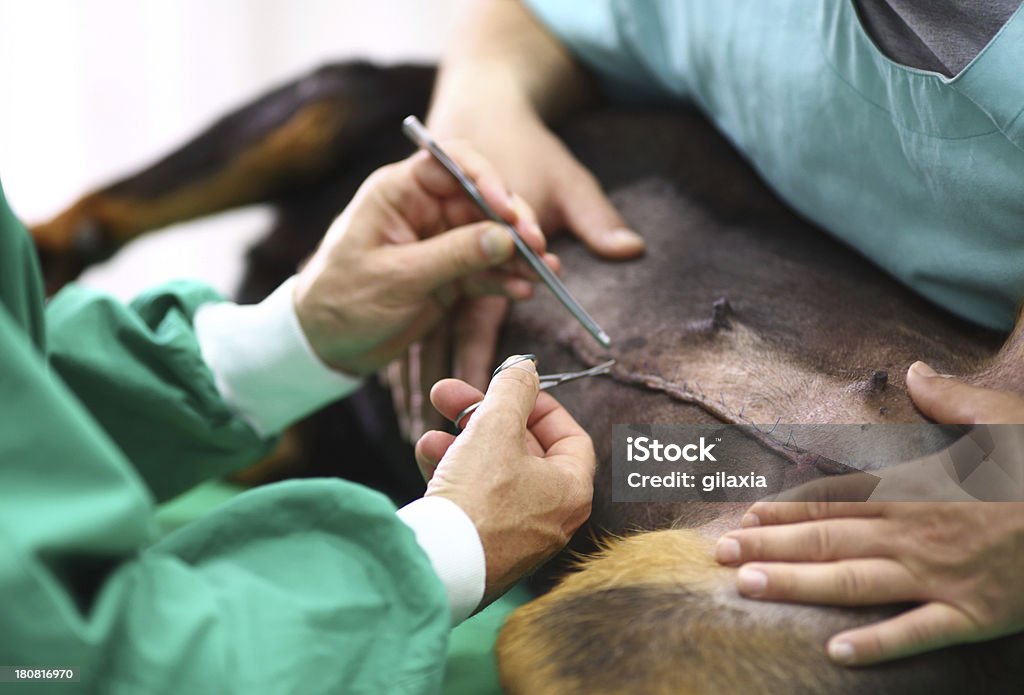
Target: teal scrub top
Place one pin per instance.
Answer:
(301, 587)
(921, 173)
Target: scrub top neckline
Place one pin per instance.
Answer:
(856, 20)
(979, 100)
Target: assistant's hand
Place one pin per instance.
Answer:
(405, 250)
(500, 77)
(540, 168)
(523, 470)
(563, 193)
(962, 561)
(951, 401)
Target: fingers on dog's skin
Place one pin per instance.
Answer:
(858, 582)
(819, 541)
(591, 217)
(950, 401)
(927, 627)
(769, 513)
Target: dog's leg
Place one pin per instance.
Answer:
(297, 135)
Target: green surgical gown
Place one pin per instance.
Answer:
(302, 587)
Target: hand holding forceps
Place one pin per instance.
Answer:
(418, 134)
(547, 381)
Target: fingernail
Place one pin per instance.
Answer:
(727, 551)
(625, 237)
(752, 582)
(526, 366)
(527, 362)
(841, 652)
(750, 519)
(922, 369)
(497, 243)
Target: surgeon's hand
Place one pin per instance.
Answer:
(522, 470)
(408, 248)
(565, 195)
(502, 78)
(960, 561)
(563, 192)
(462, 346)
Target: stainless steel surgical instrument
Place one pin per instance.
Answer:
(416, 132)
(547, 381)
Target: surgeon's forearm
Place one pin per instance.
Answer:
(503, 58)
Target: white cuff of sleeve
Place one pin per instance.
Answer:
(263, 364)
(453, 545)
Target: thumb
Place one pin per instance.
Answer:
(590, 216)
(950, 401)
(454, 254)
(510, 398)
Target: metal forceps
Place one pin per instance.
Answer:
(547, 381)
(416, 132)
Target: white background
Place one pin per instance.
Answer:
(91, 89)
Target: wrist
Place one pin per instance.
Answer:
(506, 60)
(338, 344)
(325, 327)
(452, 543)
(464, 94)
(508, 552)
(262, 362)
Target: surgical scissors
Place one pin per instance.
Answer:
(547, 381)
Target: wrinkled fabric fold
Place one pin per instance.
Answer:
(920, 173)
